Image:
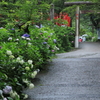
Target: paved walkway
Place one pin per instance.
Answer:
(71, 76)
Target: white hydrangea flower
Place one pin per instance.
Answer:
(31, 86)
(17, 39)
(18, 59)
(34, 74)
(13, 67)
(13, 94)
(38, 70)
(27, 68)
(21, 61)
(32, 65)
(26, 81)
(30, 62)
(28, 38)
(29, 44)
(56, 48)
(11, 56)
(23, 37)
(10, 38)
(25, 96)
(9, 52)
(51, 33)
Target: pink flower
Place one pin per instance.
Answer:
(41, 33)
(48, 36)
(53, 50)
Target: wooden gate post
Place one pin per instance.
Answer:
(52, 11)
(77, 28)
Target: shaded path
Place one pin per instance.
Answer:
(71, 76)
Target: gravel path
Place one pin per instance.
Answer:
(73, 75)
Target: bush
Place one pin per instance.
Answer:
(91, 37)
(66, 38)
(22, 56)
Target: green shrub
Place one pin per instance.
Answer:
(91, 37)
(66, 38)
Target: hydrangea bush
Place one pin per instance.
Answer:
(22, 57)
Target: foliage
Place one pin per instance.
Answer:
(22, 57)
(22, 11)
(90, 10)
(91, 37)
(66, 38)
(26, 49)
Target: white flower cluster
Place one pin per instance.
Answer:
(10, 38)
(34, 74)
(25, 38)
(9, 53)
(30, 62)
(20, 60)
(30, 85)
(25, 96)
(14, 94)
(56, 48)
(29, 44)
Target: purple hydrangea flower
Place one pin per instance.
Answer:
(7, 89)
(0, 47)
(53, 50)
(26, 35)
(54, 40)
(44, 42)
(12, 29)
(5, 99)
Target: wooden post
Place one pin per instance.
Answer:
(77, 28)
(52, 12)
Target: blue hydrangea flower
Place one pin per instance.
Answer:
(26, 35)
(54, 40)
(44, 42)
(12, 29)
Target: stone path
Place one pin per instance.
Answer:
(71, 76)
